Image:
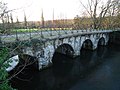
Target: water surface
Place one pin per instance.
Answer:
(92, 70)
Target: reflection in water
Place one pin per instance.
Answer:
(89, 58)
(62, 66)
(101, 51)
(64, 73)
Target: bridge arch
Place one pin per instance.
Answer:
(101, 41)
(64, 49)
(87, 44)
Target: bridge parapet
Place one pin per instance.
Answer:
(47, 34)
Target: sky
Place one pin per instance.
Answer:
(66, 9)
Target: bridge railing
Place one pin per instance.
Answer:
(41, 34)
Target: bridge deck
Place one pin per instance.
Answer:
(48, 34)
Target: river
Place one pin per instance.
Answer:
(92, 70)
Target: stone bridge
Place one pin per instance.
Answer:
(43, 46)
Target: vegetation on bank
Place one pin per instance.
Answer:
(4, 81)
(38, 29)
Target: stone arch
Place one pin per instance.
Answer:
(64, 49)
(101, 41)
(87, 44)
(58, 42)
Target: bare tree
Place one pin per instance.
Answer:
(5, 17)
(97, 11)
(3, 12)
(112, 15)
(42, 19)
(77, 22)
(11, 19)
(25, 21)
(116, 14)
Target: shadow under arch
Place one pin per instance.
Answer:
(65, 49)
(101, 41)
(27, 65)
(62, 60)
(28, 61)
(101, 49)
(20, 62)
(86, 52)
(87, 44)
(63, 54)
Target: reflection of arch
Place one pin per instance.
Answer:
(87, 44)
(101, 41)
(101, 51)
(65, 49)
(62, 65)
(87, 57)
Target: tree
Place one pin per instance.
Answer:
(11, 19)
(117, 13)
(42, 19)
(97, 11)
(25, 21)
(17, 26)
(113, 14)
(3, 14)
(82, 22)
(77, 22)
(5, 17)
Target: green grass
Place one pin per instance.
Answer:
(35, 29)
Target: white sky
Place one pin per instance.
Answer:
(33, 8)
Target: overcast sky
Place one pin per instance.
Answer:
(33, 8)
